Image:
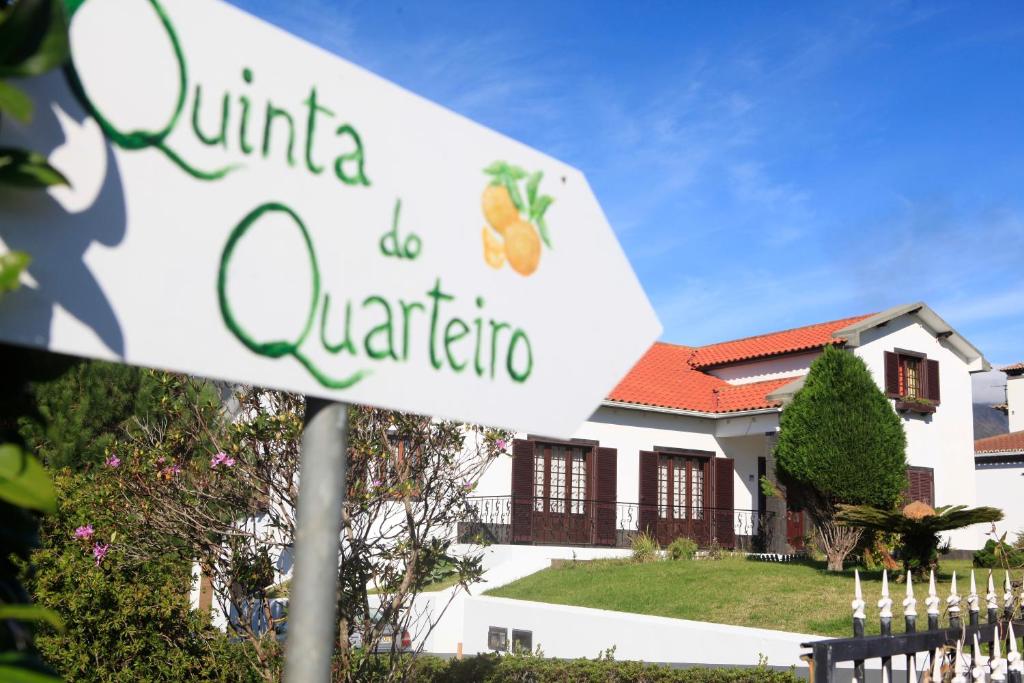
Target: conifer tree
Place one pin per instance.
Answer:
(840, 441)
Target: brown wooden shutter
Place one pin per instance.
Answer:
(932, 380)
(606, 488)
(724, 513)
(522, 491)
(920, 485)
(648, 516)
(892, 375)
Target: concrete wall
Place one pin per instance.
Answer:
(569, 632)
(943, 440)
(1001, 485)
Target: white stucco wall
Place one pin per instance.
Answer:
(943, 440)
(1015, 402)
(631, 431)
(1001, 485)
(793, 365)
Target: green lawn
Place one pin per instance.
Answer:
(800, 597)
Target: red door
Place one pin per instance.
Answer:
(795, 529)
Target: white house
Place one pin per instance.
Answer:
(680, 444)
(999, 460)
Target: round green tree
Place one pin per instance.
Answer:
(840, 441)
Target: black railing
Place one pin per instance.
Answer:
(558, 521)
(954, 653)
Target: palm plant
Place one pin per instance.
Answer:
(918, 526)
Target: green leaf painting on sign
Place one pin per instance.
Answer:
(24, 482)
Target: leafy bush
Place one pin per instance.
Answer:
(125, 619)
(682, 548)
(919, 528)
(500, 669)
(645, 548)
(999, 554)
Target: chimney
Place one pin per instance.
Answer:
(1015, 396)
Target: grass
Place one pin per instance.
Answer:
(800, 597)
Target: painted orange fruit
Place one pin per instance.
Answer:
(522, 247)
(494, 250)
(499, 210)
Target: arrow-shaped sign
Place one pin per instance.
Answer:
(247, 206)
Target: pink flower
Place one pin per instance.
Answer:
(469, 486)
(112, 462)
(376, 482)
(161, 460)
(501, 444)
(84, 533)
(99, 551)
(221, 458)
(169, 473)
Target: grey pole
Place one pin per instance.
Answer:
(311, 606)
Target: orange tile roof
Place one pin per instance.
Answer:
(672, 376)
(772, 344)
(663, 378)
(1001, 443)
(1015, 369)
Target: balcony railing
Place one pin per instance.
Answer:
(557, 521)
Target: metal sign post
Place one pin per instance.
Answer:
(311, 607)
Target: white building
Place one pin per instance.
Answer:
(999, 460)
(680, 444)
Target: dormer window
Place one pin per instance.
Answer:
(913, 380)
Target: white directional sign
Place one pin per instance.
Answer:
(247, 206)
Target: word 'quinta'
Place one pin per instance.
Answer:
(256, 130)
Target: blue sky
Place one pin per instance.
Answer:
(763, 166)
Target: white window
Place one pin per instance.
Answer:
(557, 479)
(579, 481)
(538, 480)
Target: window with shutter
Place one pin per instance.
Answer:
(648, 494)
(913, 380)
(522, 490)
(607, 488)
(920, 485)
(725, 523)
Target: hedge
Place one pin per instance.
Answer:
(493, 668)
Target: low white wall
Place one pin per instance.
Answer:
(1002, 485)
(502, 564)
(569, 632)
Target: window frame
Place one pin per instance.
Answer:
(669, 458)
(917, 398)
(566, 503)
